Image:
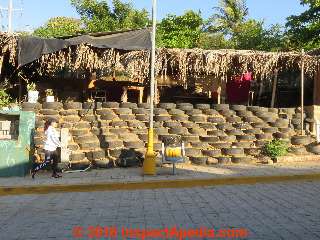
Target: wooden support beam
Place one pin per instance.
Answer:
(274, 89)
(302, 93)
(141, 95)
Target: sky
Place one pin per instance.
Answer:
(37, 12)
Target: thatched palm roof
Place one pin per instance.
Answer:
(179, 62)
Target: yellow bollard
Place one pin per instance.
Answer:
(149, 163)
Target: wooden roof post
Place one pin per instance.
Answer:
(302, 93)
(274, 88)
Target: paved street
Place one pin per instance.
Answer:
(268, 211)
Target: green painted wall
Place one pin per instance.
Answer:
(15, 154)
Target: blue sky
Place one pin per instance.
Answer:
(36, 12)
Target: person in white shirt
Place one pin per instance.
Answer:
(51, 144)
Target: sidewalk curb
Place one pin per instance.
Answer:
(156, 184)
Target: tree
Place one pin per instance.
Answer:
(304, 29)
(59, 27)
(228, 17)
(180, 31)
(98, 16)
(214, 41)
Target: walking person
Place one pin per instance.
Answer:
(51, 144)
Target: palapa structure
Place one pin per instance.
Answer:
(176, 65)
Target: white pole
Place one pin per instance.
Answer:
(10, 11)
(302, 93)
(153, 60)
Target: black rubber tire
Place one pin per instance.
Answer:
(198, 160)
(273, 110)
(83, 112)
(253, 131)
(160, 111)
(82, 125)
(254, 108)
(49, 112)
(108, 117)
(207, 126)
(172, 124)
(261, 143)
(280, 135)
(246, 138)
(141, 111)
(314, 148)
(224, 160)
(252, 151)
(162, 118)
(233, 151)
(259, 125)
(176, 112)
(233, 119)
(270, 130)
(212, 153)
(110, 105)
(71, 118)
(136, 124)
(251, 119)
(220, 107)
(296, 121)
(300, 150)
(97, 154)
(160, 131)
(242, 159)
(113, 144)
(243, 144)
(202, 106)
(66, 125)
(27, 105)
(280, 123)
(69, 112)
(77, 156)
(209, 139)
(264, 136)
(197, 119)
(234, 132)
(118, 124)
(211, 112)
(238, 107)
(216, 120)
(72, 105)
(119, 111)
(115, 153)
(157, 124)
(221, 145)
(227, 113)
(127, 117)
(192, 152)
(224, 126)
(244, 114)
(216, 133)
(104, 111)
(128, 105)
(73, 147)
(134, 144)
(89, 105)
(182, 118)
(190, 138)
(189, 125)
(185, 107)
(301, 140)
(89, 118)
(200, 145)
(193, 112)
(167, 105)
(52, 105)
(178, 131)
(227, 138)
(144, 105)
(142, 117)
(52, 117)
(197, 131)
(268, 119)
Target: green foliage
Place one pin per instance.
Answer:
(5, 99)
(180, 31)
(304, 29)
(59, 27)
(31, 86)
(276, 148)
(228, 16)
(214, 41)
(98, 16)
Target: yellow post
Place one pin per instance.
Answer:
(149, 164)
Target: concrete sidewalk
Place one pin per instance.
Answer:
(186, 176)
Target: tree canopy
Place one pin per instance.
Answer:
(59, 27)
(99, 16)
(304, 29)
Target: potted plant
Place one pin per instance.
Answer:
(49, 95)
(33, 94)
